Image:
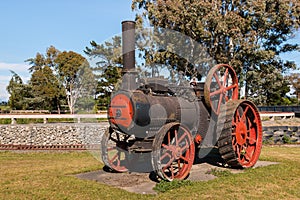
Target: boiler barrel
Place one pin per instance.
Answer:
(135, 113)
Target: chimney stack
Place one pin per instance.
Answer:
(128, 46)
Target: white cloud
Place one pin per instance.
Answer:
(16, 67)
(5, 75)
(3, 93)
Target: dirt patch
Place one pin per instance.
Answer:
(143, 183)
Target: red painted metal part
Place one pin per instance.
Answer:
(114, 150)
(120, 110)
(221, 85)
(198, 139)
(246, 134)
(174, 152)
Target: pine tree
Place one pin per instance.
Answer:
(108, 68)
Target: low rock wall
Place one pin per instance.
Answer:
(52, 134)
(281, 134)
(69, 134)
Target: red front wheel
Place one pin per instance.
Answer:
(114, 150)
(173, 152)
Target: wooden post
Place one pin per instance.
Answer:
(13, 121)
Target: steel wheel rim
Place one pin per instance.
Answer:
(175, 153)
(114, 153)
(217, 90)
(246, 134)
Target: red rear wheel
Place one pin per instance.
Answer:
(240, 145)
(221, 85)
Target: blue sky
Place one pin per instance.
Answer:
(30, 26)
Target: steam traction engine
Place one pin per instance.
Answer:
(156, 126)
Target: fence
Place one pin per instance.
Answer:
(279, 108)
(45, 117)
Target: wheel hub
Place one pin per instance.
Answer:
(176, 152)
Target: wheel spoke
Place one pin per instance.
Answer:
(237, 116)
(248, 156)
(169, 137)
(225, 77)
(185, 147)
(244, 114)
(182, 137)
(230, 87)
(251, 140)
(219, 91)
(166, 147)
(176, 138)
(249, 123)
(238, 151)
(218, 80)
(172, 171)
(169, 163)
(166, 155)
(233, 141)
(184, 158)
(219, 103)
(178, 163)
(226, 98)
(113, 158)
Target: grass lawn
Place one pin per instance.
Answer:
(41, 175)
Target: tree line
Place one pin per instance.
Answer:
(249, 35)
(59, 80)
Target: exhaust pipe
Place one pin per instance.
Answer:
(128, 46)
(128, 50)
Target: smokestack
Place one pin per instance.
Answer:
(128, 46)
(128, 50)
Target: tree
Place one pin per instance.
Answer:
(47, 92)
(59, 77)
(107, 69)
(46, 89)
(19, 92)
(75, 76)
(294, 79)
(40, 60)
(249, 35)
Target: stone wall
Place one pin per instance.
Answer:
(84, 133)
(52, 134)
(281, 134)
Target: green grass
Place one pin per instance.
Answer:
(5, 121)
(219, 173)
(165, 186)
(42, 175)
